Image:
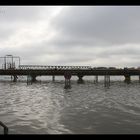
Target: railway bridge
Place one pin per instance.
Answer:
(32, 71)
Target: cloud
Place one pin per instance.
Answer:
(20, 22)
(108, 24)
(22, 13)
(79, 35)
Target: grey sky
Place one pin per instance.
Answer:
(71, 35)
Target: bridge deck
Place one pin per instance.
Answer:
(59, 72)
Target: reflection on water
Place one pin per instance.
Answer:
(47, 108)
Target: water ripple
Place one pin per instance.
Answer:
(48, 108)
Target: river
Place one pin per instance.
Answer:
(45, 107)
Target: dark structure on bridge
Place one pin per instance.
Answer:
(32, 71)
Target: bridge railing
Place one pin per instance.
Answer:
(50, 67)
(24, 67)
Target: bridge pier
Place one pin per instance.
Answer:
(33, 78)
(80, 80)
(67, 76)
(11, 77)
(107, 80)
(15, 78)
(139, 78)
(67, 83)
(96, 79)
(29, 79)
(53, 78)
(127, 79)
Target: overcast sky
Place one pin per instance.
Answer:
(71, 35)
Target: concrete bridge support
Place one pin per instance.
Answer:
(107, 80)
(80, 80)
(15, 78)
(67, 76)
(96, 79)
(33, 78)
(53, 78)
(67, 84)
(29, 79)
(139, 78)
(127, 79)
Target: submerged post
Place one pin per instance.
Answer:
(67, 76)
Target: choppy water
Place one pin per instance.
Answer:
(47, 108)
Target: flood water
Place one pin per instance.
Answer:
(46, 107)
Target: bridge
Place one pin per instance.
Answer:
(80, 71)
(32, 71)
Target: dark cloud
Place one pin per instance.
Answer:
(115, 25)
(86, 35)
